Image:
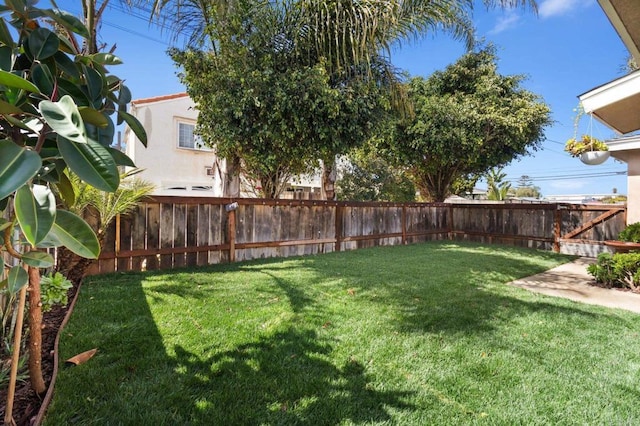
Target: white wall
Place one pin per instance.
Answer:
(633, 187)
(164, 163)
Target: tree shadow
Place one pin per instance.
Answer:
(462, 301)
(282, 379)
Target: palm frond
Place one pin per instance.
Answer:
(107, 205)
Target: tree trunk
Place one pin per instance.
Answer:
(35, 332)
(328, 180)
(231, 177)
(269, 187)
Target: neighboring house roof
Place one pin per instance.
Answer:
(159, 98)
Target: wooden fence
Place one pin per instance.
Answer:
(171, 232)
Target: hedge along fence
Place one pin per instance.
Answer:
(172, 232)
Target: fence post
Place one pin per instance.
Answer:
(338, 226)
(557, 229)
(451, 227)
(232, 235)
(404, 224)
(117, 248)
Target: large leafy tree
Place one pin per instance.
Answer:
(468, 119)
(277, 113)
(57, 111)
(350, 40)
(364, 175)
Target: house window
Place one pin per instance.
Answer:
(187, 139)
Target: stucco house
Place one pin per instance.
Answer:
(176, 161)
(617, 103)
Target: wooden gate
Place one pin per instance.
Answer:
(585, 228)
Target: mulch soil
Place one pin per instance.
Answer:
(27, 403)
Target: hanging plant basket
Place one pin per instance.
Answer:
(593, 158)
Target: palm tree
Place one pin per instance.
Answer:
(99, 209)
(498, 189)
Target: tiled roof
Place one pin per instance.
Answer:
(159, 98)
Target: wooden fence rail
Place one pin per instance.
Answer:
(171, 232)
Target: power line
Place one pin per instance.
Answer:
(572, 177)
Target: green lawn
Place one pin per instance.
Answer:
(413, 335)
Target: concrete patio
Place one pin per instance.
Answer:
(572, 281)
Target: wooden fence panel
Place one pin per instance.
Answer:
(152, 242)
(138, 220)
(193, 227)
(529, 225)
(166, 235)
(179, 234)
(125, 222)
(169, 232)
(426, 222)
(584, 229)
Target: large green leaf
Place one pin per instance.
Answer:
(65, 64)
(106, 59)
(43, 43)
(69, 88)
(93, 116)
(17, 166)
(68, 20)
(91, 162)
(103, 135)
(5, 35)
(93, 84)
(63, 117)
(134, 125)
(75, 234)
(17, 278)
(6, 58)
(121, 158)
(65, 189)
(7, 108)
(17, 123)
(38, 259)
(41, 76)
(35, 211)
(124, 97)
(15, 81)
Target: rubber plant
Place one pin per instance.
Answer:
(57, 111)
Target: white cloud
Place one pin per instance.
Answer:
(550, 8)
(506, 22)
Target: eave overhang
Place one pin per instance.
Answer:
(624, 15)
(616, 104)
(624, 148)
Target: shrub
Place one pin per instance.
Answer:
(631, 233)
(54, 288)
(622, 270)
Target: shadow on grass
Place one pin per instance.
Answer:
(282, 379)
(288, 376)
(450, 288)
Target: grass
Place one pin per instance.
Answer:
(412, 335)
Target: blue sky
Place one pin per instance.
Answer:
(567, 49)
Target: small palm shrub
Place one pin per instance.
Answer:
(621, 270)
